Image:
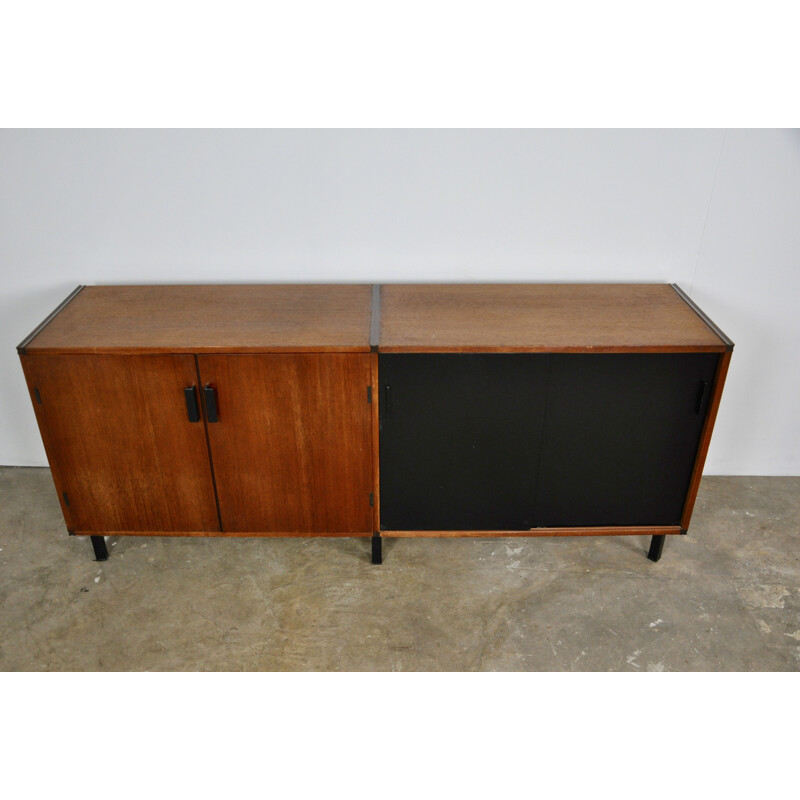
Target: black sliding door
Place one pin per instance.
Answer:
(620, 438)
(460, 440)
(520, 441)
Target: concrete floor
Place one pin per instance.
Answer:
(725, 597)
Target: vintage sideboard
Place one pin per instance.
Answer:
(375, 411)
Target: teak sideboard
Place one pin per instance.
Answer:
(394, 410)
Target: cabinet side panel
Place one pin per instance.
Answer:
(292, 447)
(122, 451)
(705, 438)
(32, 373)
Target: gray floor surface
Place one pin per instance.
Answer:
(724, 597)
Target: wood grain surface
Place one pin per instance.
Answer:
(540, 318)
(119, 442)
(295, 451)
(292, 451)
(258, 318)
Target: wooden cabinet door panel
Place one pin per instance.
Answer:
(123, 453)
(292, 446)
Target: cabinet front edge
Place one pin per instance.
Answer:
(721, 348)
(229, 534)
(653, 530)
(231, 350)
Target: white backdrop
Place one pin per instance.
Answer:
(716, 212)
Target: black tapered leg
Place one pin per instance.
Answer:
(100, 549)
(656, 547)
(377, 549)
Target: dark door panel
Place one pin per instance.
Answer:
(620, 437)
(460, 440)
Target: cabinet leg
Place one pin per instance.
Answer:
(100, 549)
(377, 549)
(656, 547)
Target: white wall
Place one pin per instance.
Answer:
(716, 212)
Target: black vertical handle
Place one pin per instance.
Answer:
(192, 408)
(210, 394)
(388, 402)
(702, 393)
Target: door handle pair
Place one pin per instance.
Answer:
(210, 399)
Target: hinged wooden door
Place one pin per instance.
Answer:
(123, 451)
(291, 444)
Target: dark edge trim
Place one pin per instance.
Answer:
(697, 310)
(21, 347)
(684, 531)
(375, 320)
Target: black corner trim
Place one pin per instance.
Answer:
(22, 346)
(700, 313)
(375, 320)
(684, 531)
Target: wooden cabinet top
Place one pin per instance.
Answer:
(545, 317)
(391, 318)
(197, 319)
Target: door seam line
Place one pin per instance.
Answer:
(208, 448)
